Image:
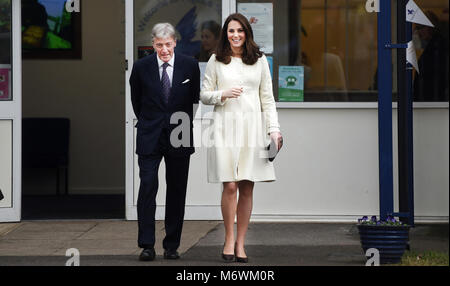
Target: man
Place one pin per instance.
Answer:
(163, 84)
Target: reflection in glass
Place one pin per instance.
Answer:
(194, 22)
(340, 46)
(334, 40)
(336, 43)
(210, 37)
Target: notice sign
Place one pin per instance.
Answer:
(4, 84)
(260, 16)
(291, 83)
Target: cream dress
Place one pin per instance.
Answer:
(239, 131)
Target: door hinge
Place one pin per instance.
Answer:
(126, 65)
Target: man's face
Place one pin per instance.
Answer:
(164, 48)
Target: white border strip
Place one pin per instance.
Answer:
(334, 218)
(354, 105)
(214, 213)
(12, 110)
(129, 114)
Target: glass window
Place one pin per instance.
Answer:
(197, 25)
(335, 43)
(5, 50)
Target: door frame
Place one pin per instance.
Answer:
(228, 7)
(12, 110)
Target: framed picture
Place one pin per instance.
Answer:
(49, 31)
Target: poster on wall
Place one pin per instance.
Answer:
(4, 84)
(291, 83)
(260, 16)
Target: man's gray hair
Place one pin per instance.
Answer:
(163, 31)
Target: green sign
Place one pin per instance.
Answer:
(291, 83)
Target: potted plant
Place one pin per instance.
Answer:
(390, 237)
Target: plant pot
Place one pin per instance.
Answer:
(391, 241)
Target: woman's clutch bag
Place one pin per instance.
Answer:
(273, 151)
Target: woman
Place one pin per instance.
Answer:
(210, 37)
(237, 81)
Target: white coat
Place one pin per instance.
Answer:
(241, 126)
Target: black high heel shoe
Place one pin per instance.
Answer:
(240, 259)
(227, 257)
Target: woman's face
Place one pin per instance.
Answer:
(209, 42)
(236, 35)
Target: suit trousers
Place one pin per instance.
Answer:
(177, 169)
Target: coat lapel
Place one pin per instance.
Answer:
(177, 77)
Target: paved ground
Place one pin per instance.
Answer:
(113, 242)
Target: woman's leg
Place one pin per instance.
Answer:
(229, 202)
(244, 211)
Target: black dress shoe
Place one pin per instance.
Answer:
(227, 257)
(148, 254)
(171, 254)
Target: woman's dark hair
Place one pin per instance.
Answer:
(250, 53)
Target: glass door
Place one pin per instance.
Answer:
(195, 22)
(10, 111)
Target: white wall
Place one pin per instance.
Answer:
(328, 169)
(431, 162)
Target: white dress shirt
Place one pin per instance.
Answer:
(169, 68)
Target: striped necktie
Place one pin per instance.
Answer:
(165, 83)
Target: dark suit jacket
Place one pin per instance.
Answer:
(152, 112)
(431, 84)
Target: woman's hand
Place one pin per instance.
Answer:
(234, 92)
(278, 139)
